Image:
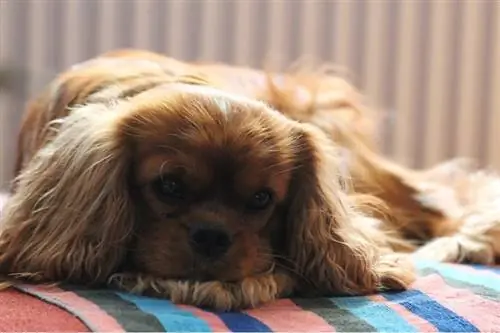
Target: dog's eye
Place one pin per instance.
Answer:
(169, 188)
(260, 200)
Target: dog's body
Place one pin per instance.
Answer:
(329, 103)
(347, 214)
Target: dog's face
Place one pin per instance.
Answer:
(209, 179)
(185, 182)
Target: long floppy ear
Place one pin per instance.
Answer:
(327, 237)
(70, 217)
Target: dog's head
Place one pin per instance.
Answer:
(209, 180)
(187, 182)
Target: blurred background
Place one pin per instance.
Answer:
(431, 67)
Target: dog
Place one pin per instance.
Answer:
(225, 187)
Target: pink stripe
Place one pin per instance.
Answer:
(285, 316)
(213, 321)
(421, 324)
(470, 269)
(479, 311)
(90, 313)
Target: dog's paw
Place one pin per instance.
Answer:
(396, 271)
(457, 249)
(248, 293)
(222, 296)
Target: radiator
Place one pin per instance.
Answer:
(431, 67)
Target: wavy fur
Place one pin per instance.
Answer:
(346, 219)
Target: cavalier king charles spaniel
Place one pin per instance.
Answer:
(226, 187)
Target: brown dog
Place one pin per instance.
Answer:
(215, 186)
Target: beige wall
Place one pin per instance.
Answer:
(433, 66)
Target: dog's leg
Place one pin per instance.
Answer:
(411, 210)
(477, 240)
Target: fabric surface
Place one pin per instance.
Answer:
(20, 312)
(445, 298)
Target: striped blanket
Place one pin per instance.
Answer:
(446, 298)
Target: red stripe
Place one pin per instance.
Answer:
(285, 316)
(213, 321)
(419, 323)
(90, 313)
(479, 311)
(21, 312)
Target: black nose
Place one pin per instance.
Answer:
(209, 242)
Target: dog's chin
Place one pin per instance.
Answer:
(224, 272)
(206, 274)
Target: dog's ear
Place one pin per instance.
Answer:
(326, 235)
(71, 216)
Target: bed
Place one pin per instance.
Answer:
(445, 298)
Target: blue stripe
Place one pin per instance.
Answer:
(425, 307)
(170, 316)
(242, 322)
(492, 282)
(378, 315)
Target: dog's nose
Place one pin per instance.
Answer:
(209, 242)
